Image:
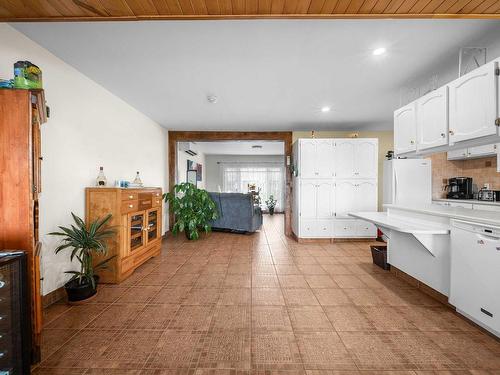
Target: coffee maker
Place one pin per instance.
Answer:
(459, 188)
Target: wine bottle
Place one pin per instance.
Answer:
(101, 178)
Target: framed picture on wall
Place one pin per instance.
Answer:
(191, 176)
(193, 166)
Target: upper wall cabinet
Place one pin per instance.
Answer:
(356, 158)
(316, 158)
(405, 129)
(473, 104)
(432, 119)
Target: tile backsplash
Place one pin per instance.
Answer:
(482, 171)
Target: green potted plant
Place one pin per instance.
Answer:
(271, 203)
(84, 241)
(193, 210)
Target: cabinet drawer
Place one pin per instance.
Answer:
(366, 229)
(129, 206)
(308, 228)
(129, 196)
(157, 201)
(345, 228)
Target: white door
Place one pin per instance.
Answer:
(482, 151)
(325, 200)
(365, 196)
(432, 119)
(324, 158)
(308, 199)
(344, 158)
(405, 129)
(473, 104)
(344, 198)
(307, 167)
(365, 159)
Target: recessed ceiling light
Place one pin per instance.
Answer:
(325, 109)
(379, 51)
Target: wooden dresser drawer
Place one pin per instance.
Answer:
(129, 195)
(157, 201)
(129, 206)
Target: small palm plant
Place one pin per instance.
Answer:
(85, 241)
(271, 204)
(193, 210)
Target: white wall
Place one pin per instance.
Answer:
(182, 158)
(214, 172)
(88, 127)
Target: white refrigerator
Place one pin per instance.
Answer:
(407, 182)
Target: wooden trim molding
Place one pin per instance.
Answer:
(184, 136)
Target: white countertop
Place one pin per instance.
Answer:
(470, 201)
(413, 226)
(478, 216)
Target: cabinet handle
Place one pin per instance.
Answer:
(480, 242)
(443, 135)
(130, 206)
(451, 132)
(412, 142)
(130, 196)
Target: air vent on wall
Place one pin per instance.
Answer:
(188, 148)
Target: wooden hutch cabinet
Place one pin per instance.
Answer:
(21, 114)
(137, 215)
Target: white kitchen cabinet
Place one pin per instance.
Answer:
(356, 158)
(405, 129)
(345, 158)
(308, 195)
(486, 207)
(366, 158)
(473, 104)
(322, 202)
(345, 198)
(432, 119)
(473, 152)
(316, 158)
(460, 205)
(355, 196)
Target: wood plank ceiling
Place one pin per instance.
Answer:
(48, 10)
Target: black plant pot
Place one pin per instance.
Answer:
(271, 211)
(80, 292)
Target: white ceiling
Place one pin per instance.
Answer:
(240, 148)
(266, 74)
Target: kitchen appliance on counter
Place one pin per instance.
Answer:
(488, 195)
(15, 314)
(408, 182)
(459, 188)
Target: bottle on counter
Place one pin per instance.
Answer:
(137, 180)
(101, 178)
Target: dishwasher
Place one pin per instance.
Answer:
(475, 272)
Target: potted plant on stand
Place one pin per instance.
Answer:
(271, 204)
(84, 241)
(193, 210)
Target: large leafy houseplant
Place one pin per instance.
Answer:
(84, 241)
(193, 210)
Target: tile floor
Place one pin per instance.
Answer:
(262, 304)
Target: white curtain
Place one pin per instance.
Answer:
(269, 177)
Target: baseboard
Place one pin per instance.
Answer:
(53, 297)
(330, 240)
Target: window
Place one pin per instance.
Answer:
(269, 178)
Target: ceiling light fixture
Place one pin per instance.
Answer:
(212, 99)
(379, 51)
(325, 109)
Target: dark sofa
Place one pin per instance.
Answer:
(236, 212)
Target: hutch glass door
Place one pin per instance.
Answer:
(153, 224)
(136, 227)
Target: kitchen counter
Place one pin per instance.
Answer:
(470, 201)
(478, 216)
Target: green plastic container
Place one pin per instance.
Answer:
(27, 76)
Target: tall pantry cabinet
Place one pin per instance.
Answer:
(21, 114)
(334, 177)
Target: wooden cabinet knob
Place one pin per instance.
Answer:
(130, 196)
